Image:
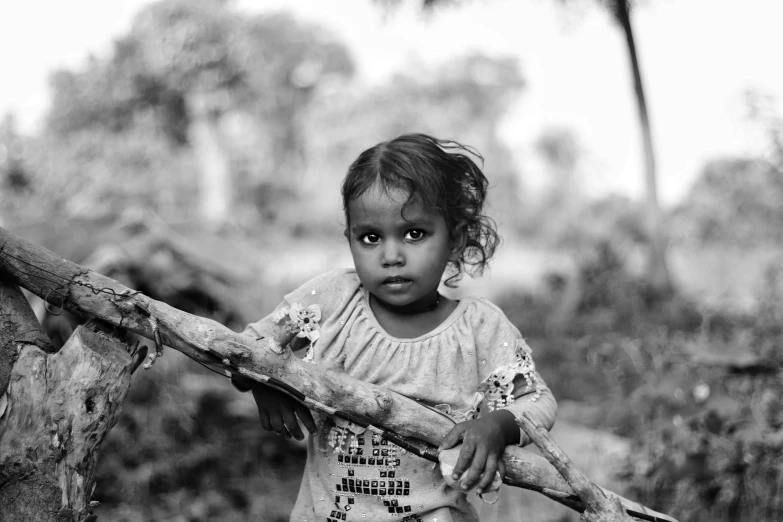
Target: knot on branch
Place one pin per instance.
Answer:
(384, 401)
(272, 345)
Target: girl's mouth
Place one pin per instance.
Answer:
(395, 282)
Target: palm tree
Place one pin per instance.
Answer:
(657, 268)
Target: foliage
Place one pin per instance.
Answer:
(578, 223)
(119, 131)
(737, 201)
(15, 178)
(190, 448)
(707, 430)
(723, 462)
(263, 64)
(94, 175)
(289, 124)
(763, 114)
(463, 99)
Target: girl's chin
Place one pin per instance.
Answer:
(395, 299)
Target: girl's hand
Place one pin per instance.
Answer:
(278, 412)
(483, 442)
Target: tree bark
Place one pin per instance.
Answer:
(328, 389)
(600, 505)
(55, 412)
(18, 327)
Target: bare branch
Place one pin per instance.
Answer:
(329, 389)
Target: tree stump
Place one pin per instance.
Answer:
(55, 411)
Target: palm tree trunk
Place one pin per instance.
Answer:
(657, 268)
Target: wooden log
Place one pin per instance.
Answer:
(66, 284)
(57, 410)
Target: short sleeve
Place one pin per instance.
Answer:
(326, 292)
(270, 325)
(510, 379)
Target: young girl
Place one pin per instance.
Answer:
(413, 210)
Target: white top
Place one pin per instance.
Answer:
(473, 362)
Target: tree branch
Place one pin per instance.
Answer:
(600, 505)
(402, 420)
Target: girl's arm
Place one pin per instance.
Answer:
(531, 395)
(512, 387)
(485, 438)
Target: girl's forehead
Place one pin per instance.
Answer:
(380, 194)
(377, 202)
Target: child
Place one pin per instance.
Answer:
(413, 209)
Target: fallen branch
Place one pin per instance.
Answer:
(64, 284)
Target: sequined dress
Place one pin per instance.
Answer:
(473, 362)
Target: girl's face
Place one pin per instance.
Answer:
(399, 259)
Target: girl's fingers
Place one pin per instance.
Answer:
(291, 422)
(307, 419)
(488, 475)
(476, 468)
(264, 418)
(464, 459)
(452, 438)
(278, 426)
(501, 467)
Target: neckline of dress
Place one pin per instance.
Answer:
(448, 321)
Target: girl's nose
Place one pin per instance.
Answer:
(392, 254)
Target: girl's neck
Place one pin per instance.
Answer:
(422, 306)
(411, 321)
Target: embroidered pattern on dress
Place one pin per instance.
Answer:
(304, 320)
(497, 390)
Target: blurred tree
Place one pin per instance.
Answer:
(737, 201)
(13, 175)
(657, 268)
(15, 178)
(464, 99)
(762, 112)
(563, 196)
(186, 69)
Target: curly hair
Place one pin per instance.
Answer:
(441, 176)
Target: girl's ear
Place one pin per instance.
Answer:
(458, 241)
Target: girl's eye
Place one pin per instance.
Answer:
(415, 235)
(370, 239)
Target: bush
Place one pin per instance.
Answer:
(707, 436)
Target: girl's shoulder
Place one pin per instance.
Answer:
(483, 308)
(327, 290)
(487, 319)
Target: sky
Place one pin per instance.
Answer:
(698, 57)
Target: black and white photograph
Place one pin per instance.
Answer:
(391, 261)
